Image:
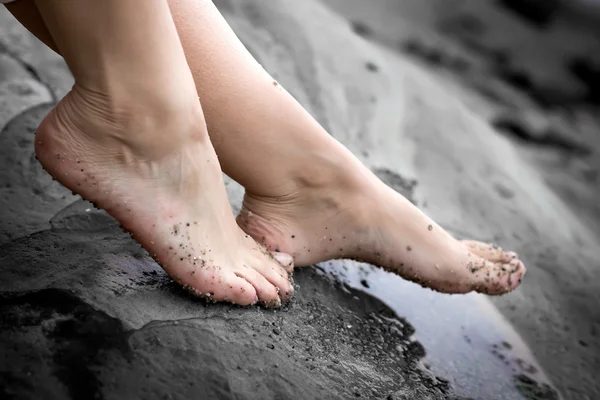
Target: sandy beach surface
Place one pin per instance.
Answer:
(487, 119)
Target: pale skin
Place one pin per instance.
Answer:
(306, 194)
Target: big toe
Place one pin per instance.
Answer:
(499, 278)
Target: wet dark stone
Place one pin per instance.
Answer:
(89, 315)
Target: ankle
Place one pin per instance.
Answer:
(149, 123)
(332, 171)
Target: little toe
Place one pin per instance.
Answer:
(268, 294)
(285, 260)
(517, 272)
(489, 251)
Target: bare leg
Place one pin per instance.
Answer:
(297, 176)
(131, 137)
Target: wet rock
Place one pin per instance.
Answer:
(86, 314)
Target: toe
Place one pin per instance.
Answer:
(242, 292)
(509, 278)
(275, 273)
(285, 260)
(268, 294)
(517, 272)
(489, 252)
(222, 286)
(499, 278)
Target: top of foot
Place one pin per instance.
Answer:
(372, 223)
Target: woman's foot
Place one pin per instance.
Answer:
(153, 168)
(347, 212)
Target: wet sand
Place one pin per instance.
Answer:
(492, 133)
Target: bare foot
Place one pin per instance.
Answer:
(156, 172)
(354, 215)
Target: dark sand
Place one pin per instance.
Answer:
(475, 113)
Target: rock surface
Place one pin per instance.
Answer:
(85, 313)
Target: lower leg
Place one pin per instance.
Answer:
(249, 116)
(131, 137)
